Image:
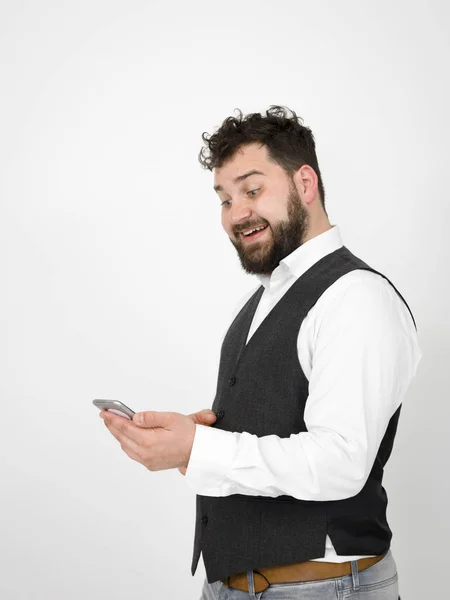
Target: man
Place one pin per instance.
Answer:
(312, 374)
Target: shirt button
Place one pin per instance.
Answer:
(220, 414)
(232, 380)
(204, 519)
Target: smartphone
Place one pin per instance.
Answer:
(114, 406)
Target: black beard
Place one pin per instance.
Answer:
(262, 258)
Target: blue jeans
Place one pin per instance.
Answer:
(378, 582)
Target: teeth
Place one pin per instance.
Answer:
(253, 230)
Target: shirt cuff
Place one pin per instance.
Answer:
(212, 455)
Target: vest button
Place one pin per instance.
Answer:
(204, 519)
(232, 380)
(220, 414)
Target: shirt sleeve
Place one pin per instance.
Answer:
(365, 353)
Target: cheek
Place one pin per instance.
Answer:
(226, 223)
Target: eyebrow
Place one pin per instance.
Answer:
(239, 178)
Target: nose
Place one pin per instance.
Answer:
(240, 210)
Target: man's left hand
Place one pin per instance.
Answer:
(158, 440)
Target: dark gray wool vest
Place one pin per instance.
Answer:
(262, 389)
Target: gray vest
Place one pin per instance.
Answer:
(262, 389)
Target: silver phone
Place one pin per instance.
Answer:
(114, 406)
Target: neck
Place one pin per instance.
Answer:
(318, 228)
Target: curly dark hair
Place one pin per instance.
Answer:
(289, 143)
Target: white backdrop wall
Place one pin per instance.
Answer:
(117, 280)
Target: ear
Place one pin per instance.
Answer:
(307, 182)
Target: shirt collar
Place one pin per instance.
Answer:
(303, 257)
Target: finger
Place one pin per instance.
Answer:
(151, 418)
(110, 417)
(122, 438)
(130, 447)
(203, 416)
(130, 452)
(126, 427)
(134, 457)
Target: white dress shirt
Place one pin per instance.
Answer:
(359, 351)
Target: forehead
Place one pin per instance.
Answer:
(248, 157)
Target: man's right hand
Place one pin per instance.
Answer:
(203, 417)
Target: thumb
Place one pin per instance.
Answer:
(203, 416)
(151, 418)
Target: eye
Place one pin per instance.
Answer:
(251, 192)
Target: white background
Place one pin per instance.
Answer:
(117, 280)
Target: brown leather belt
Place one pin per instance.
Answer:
(302, 571)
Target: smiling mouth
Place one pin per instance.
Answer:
(255, 234)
